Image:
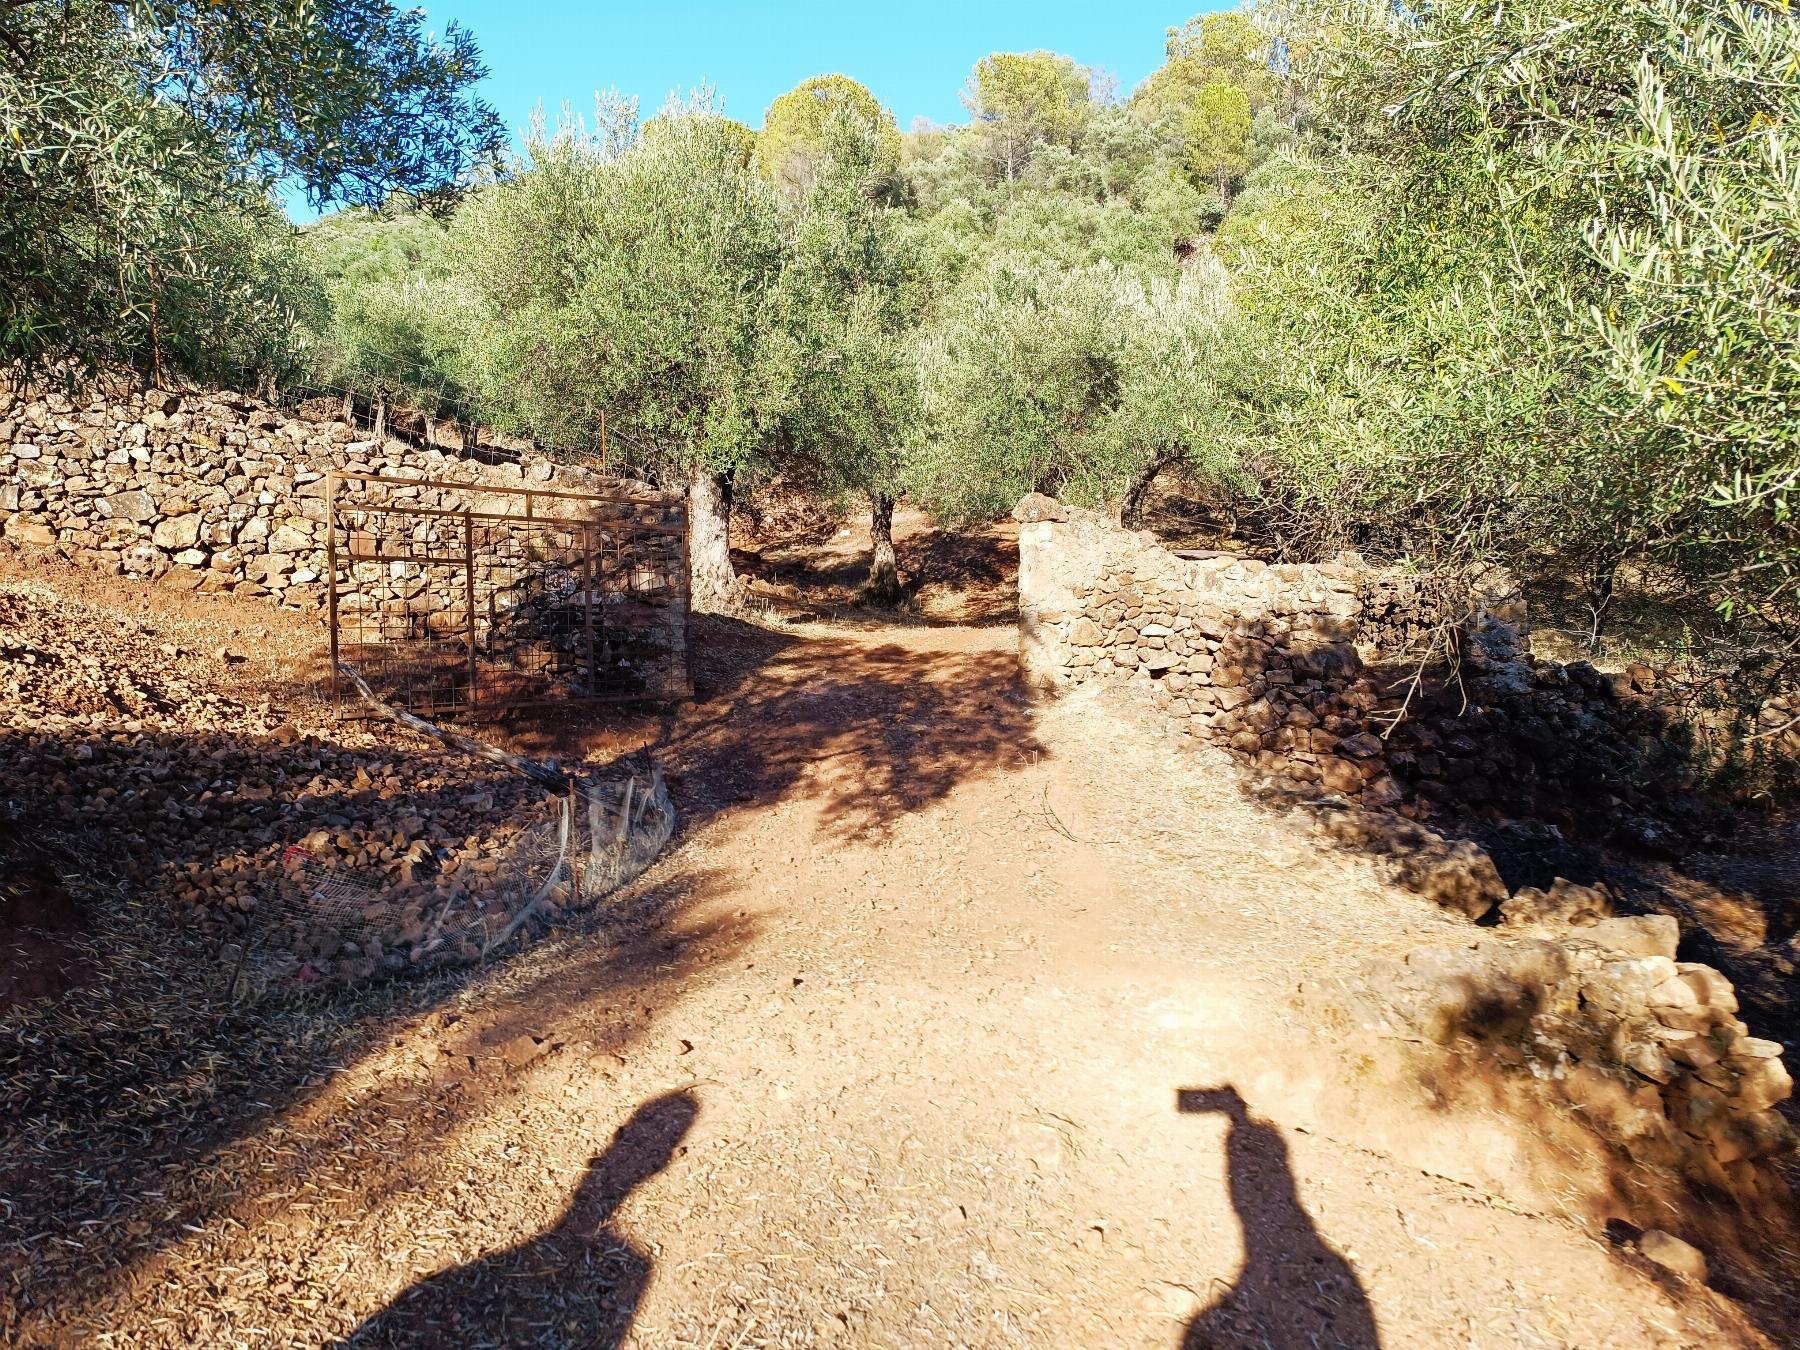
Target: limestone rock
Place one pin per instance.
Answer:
(1035, 506)
(1457, 875)
(1674, 1255)
(30, 530)
(1638, 935)
(1565, 904)
(177, 532)
(135, 505)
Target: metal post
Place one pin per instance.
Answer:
(574, 851)
(469, 603)
(603, 472)
(587, 618)
(331, 588)
(687, 595)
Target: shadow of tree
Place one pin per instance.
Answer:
(875, 731)
(578, 1284)
(1294, 1288)
(142, 1106)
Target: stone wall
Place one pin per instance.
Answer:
(1312, 675)
(220, 493)
(1270, 661)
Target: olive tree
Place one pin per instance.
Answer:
(851, 295)
(1082, 385)
(1554, 284)
(142, 138)
(633, 276)
(396, 314)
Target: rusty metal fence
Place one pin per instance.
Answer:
(472, 598)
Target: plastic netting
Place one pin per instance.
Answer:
(328, 920)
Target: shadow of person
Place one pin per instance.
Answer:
(576, 1285)
(1294, 1289)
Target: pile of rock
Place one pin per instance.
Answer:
(115, 736)
(1647, 1049)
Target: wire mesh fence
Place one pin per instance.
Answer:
(467, 597)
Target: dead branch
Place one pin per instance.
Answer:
(550, 779)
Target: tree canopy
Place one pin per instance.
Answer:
(1437, 284)
(141, 142)
(793, 140)
(1023, 99)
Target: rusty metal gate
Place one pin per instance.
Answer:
(471, 598)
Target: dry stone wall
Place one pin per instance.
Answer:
(1269, 661)
(1305, 673)
(220, 493)
(1311, 674)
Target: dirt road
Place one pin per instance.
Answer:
(948, 1020)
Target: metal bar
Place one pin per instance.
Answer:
(469, 606)
(485, 487)
(687, 597)
(494, 707)
(568, 522)
(331, 590)
(587, 618)
(423, 559)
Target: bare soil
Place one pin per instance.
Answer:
(949, 1018)
(809, 562)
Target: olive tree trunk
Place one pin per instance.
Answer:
(713, 583)
(884, 568)
(1131, 509)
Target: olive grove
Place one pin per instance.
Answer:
(1515, 283)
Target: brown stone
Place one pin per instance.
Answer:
(1339, 775)
(1674, 1255)
(1639, 935)
(134, 505)
(1035, 506)
(30, 530)
(1459, 876)
(1565, 904)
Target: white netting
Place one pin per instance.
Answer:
(327, 920)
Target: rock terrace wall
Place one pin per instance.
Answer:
(1283, 666)
(1312, 674)
(1269, 661)
(223, 494)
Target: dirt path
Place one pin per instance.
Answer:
(948, 1021)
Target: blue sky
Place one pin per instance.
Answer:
(914, 56)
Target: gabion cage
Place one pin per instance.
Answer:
(469, 598)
